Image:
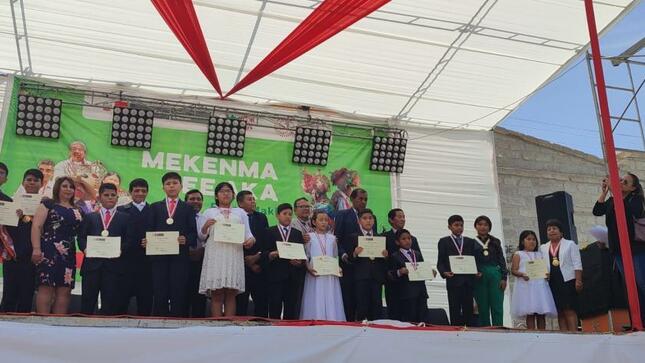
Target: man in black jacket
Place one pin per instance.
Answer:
(254, 276)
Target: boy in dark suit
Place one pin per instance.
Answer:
(19, 273)
(460, 287)
(196, 302)
(411, 296)
(104, 275)
(396, 218)
(283, 276)
(369, 273)
(170, 272)
(137, 265)
(346, 224)
(254, 276)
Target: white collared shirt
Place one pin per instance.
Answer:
(139, 206)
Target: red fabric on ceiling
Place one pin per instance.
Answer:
(181, 18)
(327, 20)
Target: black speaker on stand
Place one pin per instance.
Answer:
(558, 205)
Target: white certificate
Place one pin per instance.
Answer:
(227, 232)
(422, 272)
(104, 247)
(326, 265)
(162, 243)
(28, 203)
(463, 265)
(372, 246)
(536, 269)
(291, 251)
(8, 216)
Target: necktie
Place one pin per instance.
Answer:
(108, 217)
(172, 204)
(285, 230)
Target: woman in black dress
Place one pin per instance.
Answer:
(53, 236)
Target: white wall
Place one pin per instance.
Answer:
(448, 172)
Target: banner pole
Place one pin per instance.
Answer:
(612, 166)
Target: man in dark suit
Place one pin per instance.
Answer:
(104, 275)
(4, 174)
(196, 302)
(346, 224)
(19, 274)
(137, 267)
(255, 280)
(170, 272)
(283, 276)
(369, 273)
(410, 296)
(460, 287)
(396, 218)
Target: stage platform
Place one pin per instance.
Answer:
(30, 338)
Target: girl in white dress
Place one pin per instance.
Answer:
(223, 268)
(322, 298)
(531, 298)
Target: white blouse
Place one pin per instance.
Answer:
(569, 256)
(237, 215)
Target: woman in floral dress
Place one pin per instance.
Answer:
(53, 237)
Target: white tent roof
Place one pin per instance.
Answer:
(483, 57)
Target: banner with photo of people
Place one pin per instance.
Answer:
(84, 152)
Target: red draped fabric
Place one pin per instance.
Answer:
(327, 20)
(181, 18)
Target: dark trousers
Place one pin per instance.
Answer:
(138, 284)
(393, 303)
(414, 310)
(460, 301)
(18, 286)
(106, 283)
(169, 280)
(256, 288)
(196, 301)
(347, 289)
(285, 294)
(367, 295)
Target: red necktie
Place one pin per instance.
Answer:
(108, 217)
(173, 205)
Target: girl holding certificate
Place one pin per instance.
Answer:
(531, 297)
(53, 237)
(223, 269)
(565, 274)
(322, 298)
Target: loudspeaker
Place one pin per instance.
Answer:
(558, 205)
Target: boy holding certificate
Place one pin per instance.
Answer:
(170, 271)
(103, 236)
(18, 271)
(284, 275)
(411, 296)
(369, 272)
(460, 279)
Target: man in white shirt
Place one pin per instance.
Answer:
(76, 163)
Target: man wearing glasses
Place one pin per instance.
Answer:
(302, 221)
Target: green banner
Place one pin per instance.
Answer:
(266, 168)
